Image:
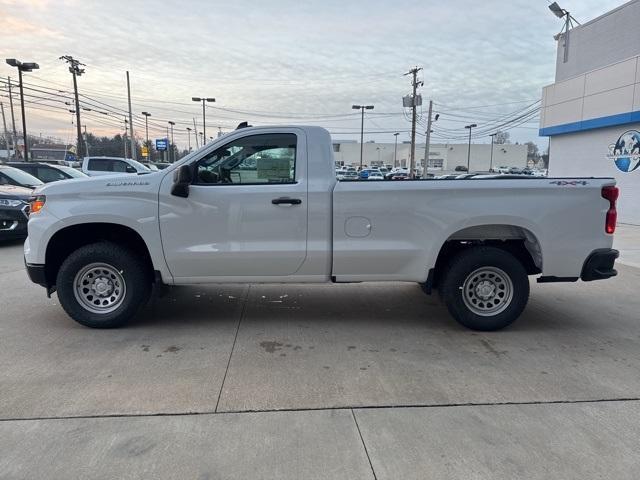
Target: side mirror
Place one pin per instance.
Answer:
(182, 178)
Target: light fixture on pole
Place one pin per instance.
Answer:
(362, 108)
(146, 128)
(204, 117)
(568, 24)
(23, 67)
(473, 125)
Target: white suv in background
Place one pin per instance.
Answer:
(95, 166)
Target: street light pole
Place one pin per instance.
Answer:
(395, 150)
(189, 138)
(362, 108)
(172, 154)
(23, 67)
(491, 160)
(469, 148)
(204, 115)
(146, 127)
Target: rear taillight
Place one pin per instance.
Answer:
(611, 193)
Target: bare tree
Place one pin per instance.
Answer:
(502, 137)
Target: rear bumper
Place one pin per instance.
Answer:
(599, 265)
(36, 274)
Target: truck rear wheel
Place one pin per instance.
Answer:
(103, 285)
(485, 288)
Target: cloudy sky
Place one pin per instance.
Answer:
(286, 61)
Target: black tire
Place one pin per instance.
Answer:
(134, 274)
(499, 268)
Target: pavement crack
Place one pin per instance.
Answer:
(320, 409)
(364, 445)
(245, 300)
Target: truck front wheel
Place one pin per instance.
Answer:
(485, 288)
(103, 285)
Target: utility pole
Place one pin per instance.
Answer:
(76, 71)
(13, 123)
(395, 150)
(415, 84)
(134, 151)
(6, 132)
(362, 108)
(189, 138)
(195, 132)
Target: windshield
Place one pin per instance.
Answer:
(72, 172)
(23, 178)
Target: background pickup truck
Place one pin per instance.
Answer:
(263, 205)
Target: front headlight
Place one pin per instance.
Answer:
(36, 204)
(4, 202)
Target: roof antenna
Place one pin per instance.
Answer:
(243, 125)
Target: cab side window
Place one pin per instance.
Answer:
(99, 165)
(252, 160)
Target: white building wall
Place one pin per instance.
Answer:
(607, 39)
(596, 99)
(586, 154)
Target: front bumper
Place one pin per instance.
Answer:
(13, 223)
(599, 265)
(37, 274)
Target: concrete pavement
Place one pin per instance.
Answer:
(371, 380)
(627, 240)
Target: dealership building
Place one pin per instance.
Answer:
(443, 157)
(591, 113)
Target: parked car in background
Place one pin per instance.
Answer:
(364, 173)
(94, 166)
(14, 211)
(48, 172)
(15, 176)
(400, 176)
(502, 169)
(375, 175)
(161, 165)
(515, 171)
(461, 168)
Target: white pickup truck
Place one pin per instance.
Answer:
(262, 204)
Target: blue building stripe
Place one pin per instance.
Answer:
(590, 124)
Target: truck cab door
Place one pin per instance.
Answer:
(246, 210)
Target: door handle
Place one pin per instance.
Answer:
(286, 201)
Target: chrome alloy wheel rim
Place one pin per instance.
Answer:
(99, 288)
(487, 291)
